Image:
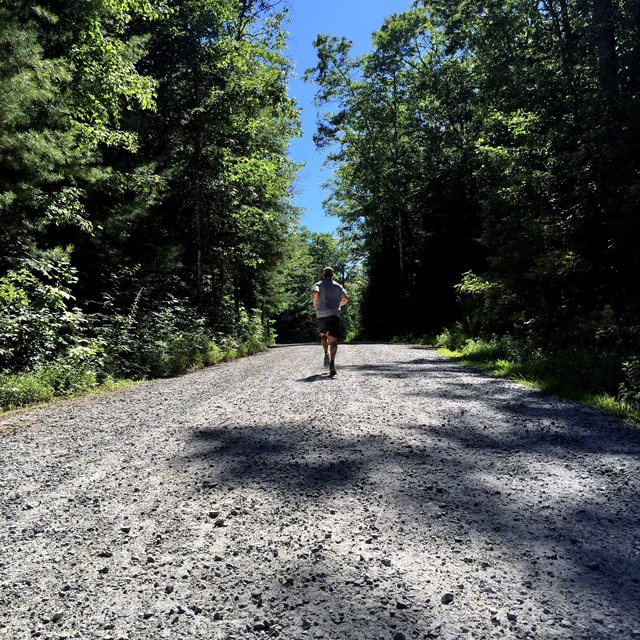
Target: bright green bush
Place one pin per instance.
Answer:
(37, 322)
(153, 340)
(252, 334)
(212, 354)
(23, 389)
(66, 379)
(69, 353)
(168, 338)
(58, 379)
(452, 338)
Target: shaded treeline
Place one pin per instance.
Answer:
(145, 189)
(487, 161)
(309, 253)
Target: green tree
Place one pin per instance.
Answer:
(398, 134)
(219, 139)
(492, 145)
(308, 253)
(151, 137)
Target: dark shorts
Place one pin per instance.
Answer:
(330, 325)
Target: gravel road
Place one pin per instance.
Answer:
(408, 498)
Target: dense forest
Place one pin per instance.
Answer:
(487, 163)
(145, 188)
(486, 173)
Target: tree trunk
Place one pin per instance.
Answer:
(397, 187)
(604, 29)
(197, 204)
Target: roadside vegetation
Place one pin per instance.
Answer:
(145, 189)
(601, 382)
(51, 350)
(84, 371)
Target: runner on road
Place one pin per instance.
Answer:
(328, 298)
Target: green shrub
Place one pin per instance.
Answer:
(453, 338)
(23, 389)
(161, 339)
(252, 334)
(231, 354)
(212, 353)
(155, 339)
(477, 349)
(37, 322)
(629, 390)
(48, 382)
(65, 379)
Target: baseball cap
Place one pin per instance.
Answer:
(327, 271)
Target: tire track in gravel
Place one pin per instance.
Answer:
(408, 498)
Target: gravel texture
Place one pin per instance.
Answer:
(407, 498)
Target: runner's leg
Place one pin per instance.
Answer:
(325, 342)
(333, 347)
(334, 334)
(323, 328)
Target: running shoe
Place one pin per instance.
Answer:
(332, 370)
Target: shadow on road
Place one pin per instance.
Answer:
(457, 480)
(319, 377)
(546, 495)
(417, 367)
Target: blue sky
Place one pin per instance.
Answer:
(355, 19)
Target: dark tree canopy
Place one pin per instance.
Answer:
(487, 158)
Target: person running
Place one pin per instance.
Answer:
(328, 298)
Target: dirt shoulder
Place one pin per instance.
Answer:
(407, 498)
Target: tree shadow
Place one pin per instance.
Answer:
(418, 367)
(493, 487)
(272, 455)
(544, 496)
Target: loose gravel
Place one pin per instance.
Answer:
(406, 498)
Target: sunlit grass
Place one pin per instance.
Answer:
(24, 390)
(29, 389)
(489, 358)
(613, 407)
